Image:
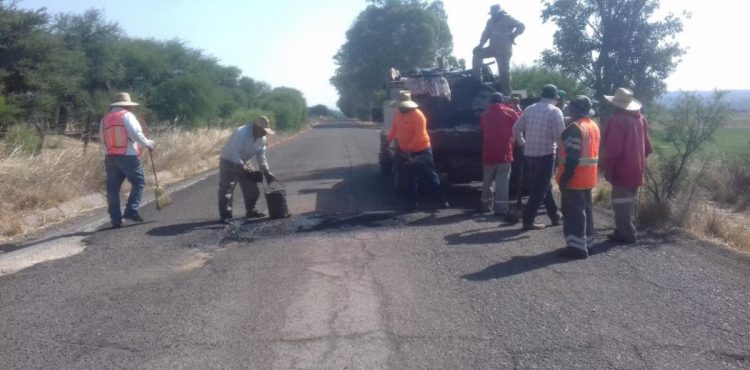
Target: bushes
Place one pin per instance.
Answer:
(288, 106)
(244, 116)
(22, 139)
(684, 131)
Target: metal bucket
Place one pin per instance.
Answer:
(277, 207)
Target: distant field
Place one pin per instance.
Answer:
(739, 120)
(727, 142)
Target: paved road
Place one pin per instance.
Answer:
(348, 284)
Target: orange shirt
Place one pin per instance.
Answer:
(411, 131)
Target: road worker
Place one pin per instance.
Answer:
(501, 31)
(123, 140)
(577, 176)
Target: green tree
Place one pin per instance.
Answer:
(288, 106)
(319, 110)
(533, 78)
(614, 43)
(404, 34)
(685, 129)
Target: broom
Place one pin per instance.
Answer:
(162, 198)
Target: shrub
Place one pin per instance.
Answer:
(23, 139)
(244, 116)
(685, 129)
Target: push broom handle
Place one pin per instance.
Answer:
(153, 168)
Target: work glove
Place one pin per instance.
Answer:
(270, 177)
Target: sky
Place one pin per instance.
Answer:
(292, 42)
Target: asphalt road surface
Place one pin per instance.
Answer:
(349, 283)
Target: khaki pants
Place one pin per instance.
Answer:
(495, 188)
(229, 175)
(502, 58)
(624, 203)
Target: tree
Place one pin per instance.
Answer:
(288, 106)
(404, 34)
(685, 129)
(319, 110)
(614, 43)
(533, 78)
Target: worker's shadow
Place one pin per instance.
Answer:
(180, 229)
(517, 265)
(486, 236)
(521, 264)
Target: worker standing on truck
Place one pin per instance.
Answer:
(501, 31)
(497, 154)
(414, 161)
(577, 175)
(538, 130)
(122, 139)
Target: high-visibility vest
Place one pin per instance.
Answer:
(585, 174)
(114, 133)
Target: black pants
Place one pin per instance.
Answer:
(540, 171)
(419, 173)
(229, 175)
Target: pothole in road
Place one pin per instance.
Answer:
(250, 231)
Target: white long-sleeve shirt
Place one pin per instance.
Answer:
(243, 146)
(133, 128)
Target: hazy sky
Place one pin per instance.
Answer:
(292, 42)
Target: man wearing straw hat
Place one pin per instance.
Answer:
(414, 161)
(122, 137)
(247, 142)
(625, 146)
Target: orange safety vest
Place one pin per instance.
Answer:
(114, 133)
(585, 174)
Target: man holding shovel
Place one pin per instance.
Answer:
(247, 142)
(122, 137)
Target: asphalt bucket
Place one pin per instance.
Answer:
(277, 207)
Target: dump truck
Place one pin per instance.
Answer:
(452, 102)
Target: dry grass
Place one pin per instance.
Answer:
(63, 172)
(707, 221)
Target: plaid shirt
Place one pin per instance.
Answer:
(539, 128)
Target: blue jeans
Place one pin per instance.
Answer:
(419, 172)
(540, 171)
(119, 168)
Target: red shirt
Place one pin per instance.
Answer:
(625, 146)
(497, 134)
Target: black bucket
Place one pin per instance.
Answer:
(277, 207)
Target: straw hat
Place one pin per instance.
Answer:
(404, 100)
(624, 99)
(123, 100)
(264, 123)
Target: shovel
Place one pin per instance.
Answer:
(162, 198)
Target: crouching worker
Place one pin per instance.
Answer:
(577, 175)
(122, 138)
(247, 142)
(414, 161)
